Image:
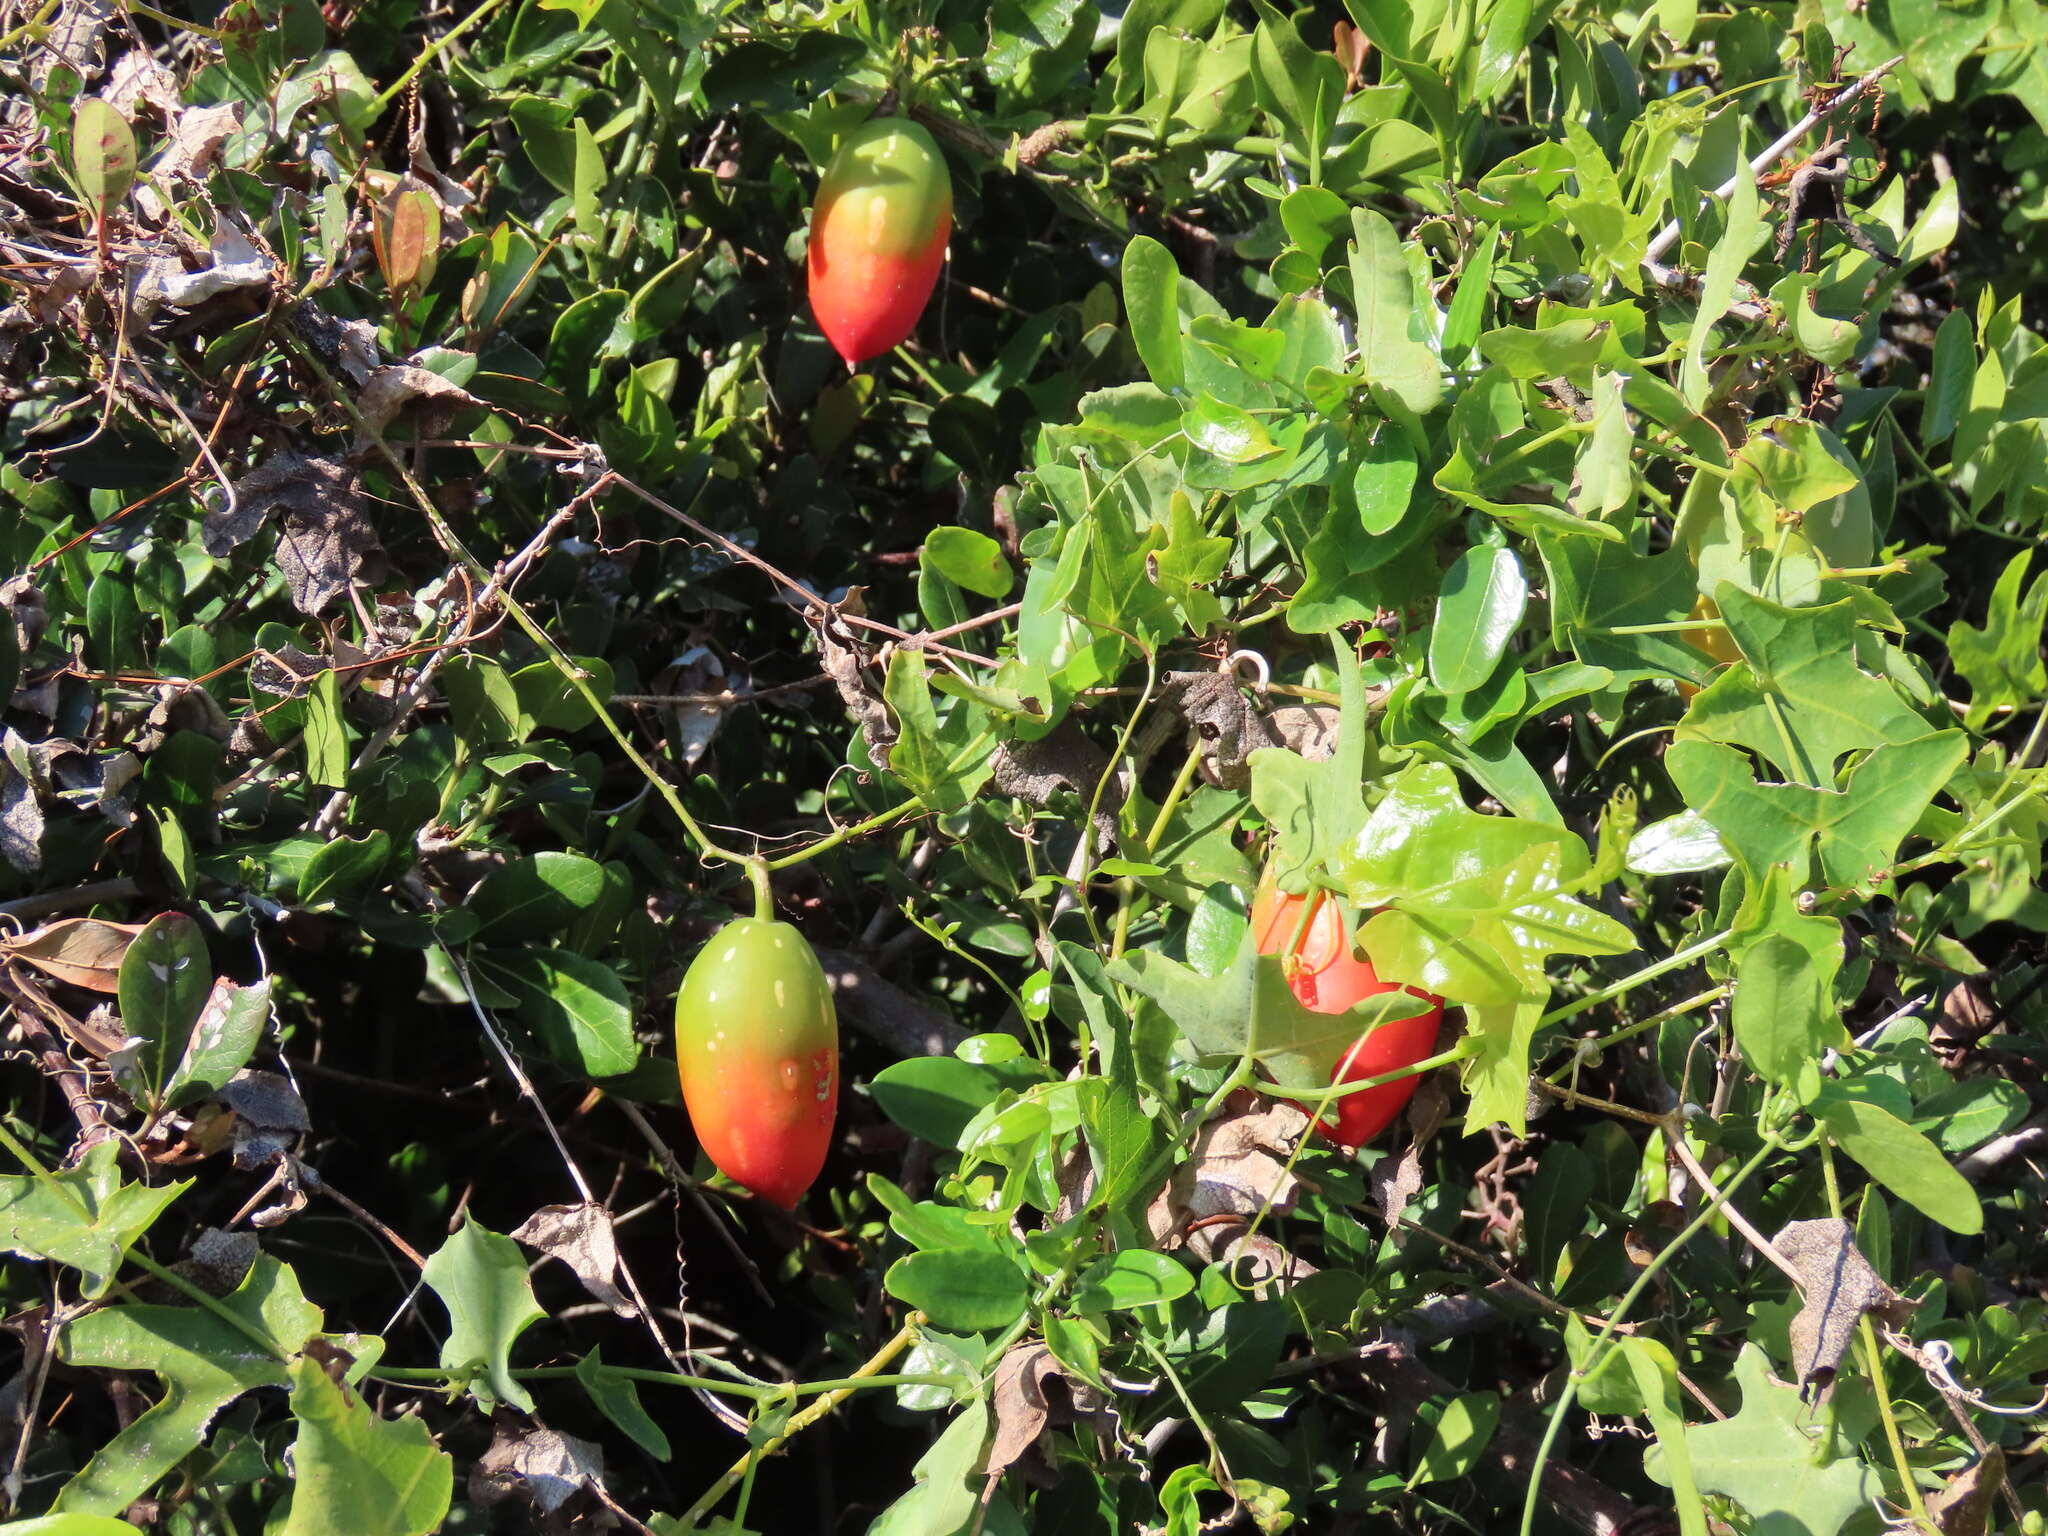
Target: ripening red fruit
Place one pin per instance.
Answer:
(1328, 976)
(878, 236)
(757, 1049)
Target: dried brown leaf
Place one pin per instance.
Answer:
(543, 1468)
(429, 401)
(1839, 1286)
(1236, 1167)
(1963, 1507)
(323, 543)
(581, 1237)
(83, 951)
(1020, 1406)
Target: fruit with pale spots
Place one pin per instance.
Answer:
(757, 1049)
(1327, 975)
(878, 236)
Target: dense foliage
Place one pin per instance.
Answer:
(1556, 484)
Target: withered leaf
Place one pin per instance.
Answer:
(21, 809)
(843, 658)
(1020, 1406)
(1236, 1169)
(83, 951)
(581, 1237)
(287, 671)
(431, 402)
(542, 1467)
(324, 542)
(1839, 1286)
(1222, 720)
(1963, 1508)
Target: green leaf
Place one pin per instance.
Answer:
(1783, 1019)
(616, 1395)
(2001, 660)
(972, 560)
(944, 762)
(165, 979)
(343, 869)
(1656, 1380)
(482, 701)
(945, 1493)
(1799, 699)
(1131, 1277)
(1468, 304)
(1949, 380)
(1603, 480)
(1496, 1077)
(535, 898)
(326, 736)
(102, 153)
(1225, 432)
(576, 1005)
(1468, 906)
(1481, 606)
(1391, 353)
(965, 1290)
(1383, 481)
(85, 1217)
(355, 1471)
(203, 1363)
(546, 700)
(1503, 36)
(586, 185)
(1858, 827)
(935, 1096)
(1151, 288)
(68, 1525)
(1458, 1439)
(1787, 1473)
(222, 1041)
(1903, 1161)
(480, 1276)
(1251, 1010)
(1739, 239)
(1302, 89)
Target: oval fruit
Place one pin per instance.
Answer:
(757, 1049)
(1328, 976)
(1713, 639)
(878, 236)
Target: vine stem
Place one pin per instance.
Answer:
(708, 850)
(876, 1363)
(1668, 235)
(433, 51)
(1608, 993)
(1873, 1367)
(1630, 1297)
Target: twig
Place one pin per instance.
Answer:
(2002, 1149)
(1740, 1222)
(1668, 235)
(874, 1366)
(89, 895)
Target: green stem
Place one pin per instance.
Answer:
(764, 892)
(1873, 1365)
(1464, 1050)
(1600, 1043)
(846, 834)
(1127, 888)
(1629, 1298)
(431, 52)
(1670, 962)
(876, 1364)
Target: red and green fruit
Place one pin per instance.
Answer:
(1328, 975)
(878, 236)
(757, 1049)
